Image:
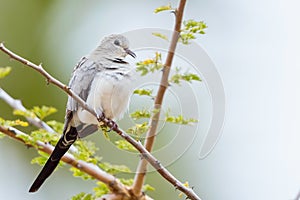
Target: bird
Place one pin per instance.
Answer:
(104, 80)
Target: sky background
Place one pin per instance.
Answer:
(254, 46)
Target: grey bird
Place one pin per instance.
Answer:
(105, 81)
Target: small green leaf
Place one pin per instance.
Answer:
(105, 130)
(148, 187)
(189, 77)
(124, 145)
(150, 64)
(43, 111)
(27, 140)
(86, 151)
(180, 76)
(143, 92)
(162, 36)
(17, 122)
(191, 28)
(127, 182)
(114, 169)
(139, 114)
(138, 129)
(40, 160)
(26, 113)
(4, 71)
(57, 126)
(44, 136)
(81, 174)
(163, 8)
(83, 196)
(101, 189)
(179, 120)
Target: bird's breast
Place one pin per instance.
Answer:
(109, 93)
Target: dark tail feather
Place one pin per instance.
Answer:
(60, 149)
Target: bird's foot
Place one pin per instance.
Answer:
(112, 125)
(100, 116)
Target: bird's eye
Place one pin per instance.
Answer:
(117, 42)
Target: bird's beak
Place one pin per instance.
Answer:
(129, 52)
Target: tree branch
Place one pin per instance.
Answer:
(17, 105)
(37, 122)
(151, 134)
(89, 168)
(144, 153)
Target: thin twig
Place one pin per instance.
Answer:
(17, 105)
(145, 154)
(151, 134)
(37, 122)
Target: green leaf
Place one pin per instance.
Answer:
(36, 111)
(27, 140)
(162, 36)
(139, 114)
(101, 189)
(143, 92)
(138, 129)
(114, 169)
(105, 130)
(148, 187)
(124, 145)
(43, 111)
(57, 126)
(189, 77)
(150, 64)
(86, 151)
(2, 135)
(4, 71)
(40, 160)
(81, 174)
(163, 8)
(179, 120)
(44, 136)
(17, 122)
(26, 113)
(83, 196)
(127, 182)
(191, 29)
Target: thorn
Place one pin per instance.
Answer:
(176, 188)
(174, 12)
(2, 45)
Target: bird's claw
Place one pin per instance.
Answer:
(100, 117)
(112, 125)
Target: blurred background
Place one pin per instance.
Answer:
(254, 45)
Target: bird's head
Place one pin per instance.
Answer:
(115, 46)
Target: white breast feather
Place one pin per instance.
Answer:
(108, 95)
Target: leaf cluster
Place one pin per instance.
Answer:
(150, 65)
(191, 29)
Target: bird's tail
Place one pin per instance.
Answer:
(60, 149)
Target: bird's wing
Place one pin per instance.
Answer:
(81, 81)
